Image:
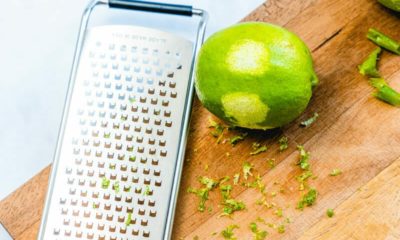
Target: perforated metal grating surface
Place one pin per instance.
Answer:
(120, 145)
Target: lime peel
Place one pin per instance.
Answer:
(368, 67)
(384, 41)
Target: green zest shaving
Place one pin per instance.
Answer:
(309, 121)
(236, 178)
(116, 186)
(247, 168)
(128, 219)
(218, 131)
(228, 234)
(368, 67)
(258, 148)
(146, 190)
(257, 234)
(281, 229)
(302, 179)
(238, 138)
(335, 172)
(202, 193)
(271, 162)
(304, 158)
(308, 199)
(330, 212)
(385, 92)
(231, 206)
(384, 41)
(225, 191)
(283, 143)
(105, 182)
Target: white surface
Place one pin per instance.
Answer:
(4, 234)
(37, 43)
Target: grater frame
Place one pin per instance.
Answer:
(142, 6)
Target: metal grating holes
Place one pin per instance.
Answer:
(121, 139)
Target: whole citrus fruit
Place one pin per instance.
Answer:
(255, 75)
(392, 4)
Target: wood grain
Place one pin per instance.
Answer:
(371, 213)
(355, 133)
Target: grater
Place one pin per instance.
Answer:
(121, 145)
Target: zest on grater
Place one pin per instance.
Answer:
(121, 145)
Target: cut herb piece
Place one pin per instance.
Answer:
(228, 234)
(385, 92)
(283, 143)
(105, 183)
(368, 67)
(304, 158)
(330, 212)
(309, 121)
(128, 219)
(384, 41)
(308, 199)
(335, 172)
(235, 139)
(258, 148)
(257, 234)
(247, 168)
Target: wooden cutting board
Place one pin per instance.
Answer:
(355, 133)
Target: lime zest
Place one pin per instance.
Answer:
(283, 143)
(238, 138)
(247, 169)
(257, 233)
(384, 41)
(202, 193)
(218, 131)
(369, 66)
(308, 199)
(236, 179)
(335, 172)
(304, 158)
(105, 183)
(330, 212)
(228, 233)
(310, 121)
(128, 220)
(258, 148)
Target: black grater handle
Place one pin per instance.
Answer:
(185, 10)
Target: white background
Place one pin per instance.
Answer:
(36, 47)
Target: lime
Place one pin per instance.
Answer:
(255, 75)
(392, 4)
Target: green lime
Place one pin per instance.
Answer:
(255, 75)
(392, 4)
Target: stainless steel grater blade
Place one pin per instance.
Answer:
(120, 151)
